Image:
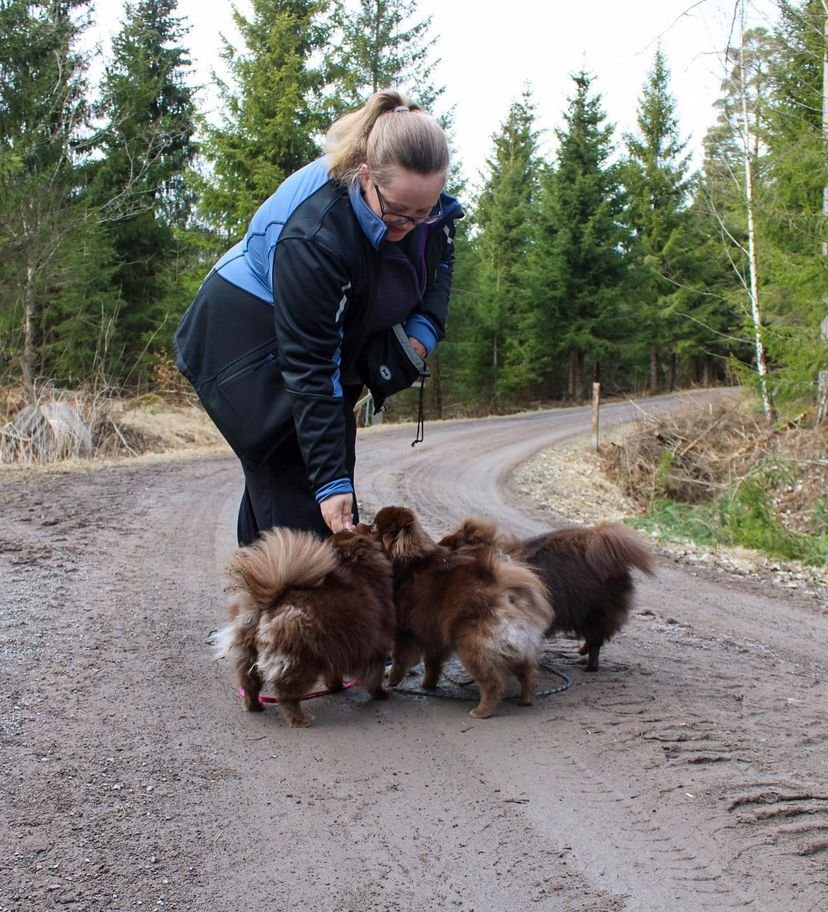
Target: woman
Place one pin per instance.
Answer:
(342, 280)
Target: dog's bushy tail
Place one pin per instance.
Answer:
(279, 560)
(525, 587)
(614, 548)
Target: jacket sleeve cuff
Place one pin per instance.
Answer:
(422, 330)
(340, 486)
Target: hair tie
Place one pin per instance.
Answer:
(400, 109)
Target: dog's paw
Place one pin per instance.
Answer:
(395, 676)
(303, 721)
(478, 713)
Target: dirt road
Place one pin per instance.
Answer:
(690, 773)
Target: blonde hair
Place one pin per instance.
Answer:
(389, 131)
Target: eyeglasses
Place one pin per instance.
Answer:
(397, 219)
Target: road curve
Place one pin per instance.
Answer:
(689, 774)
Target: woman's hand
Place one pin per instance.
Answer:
(418, 347)
(338, 512)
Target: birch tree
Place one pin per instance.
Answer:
(735, 151)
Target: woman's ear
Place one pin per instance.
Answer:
(364, 177)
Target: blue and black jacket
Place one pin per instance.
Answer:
(273, 361)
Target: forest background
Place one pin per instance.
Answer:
(609, 260)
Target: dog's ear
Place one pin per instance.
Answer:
(479, 531)
(369, 553)
(405, 539)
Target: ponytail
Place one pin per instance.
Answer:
(389, 131)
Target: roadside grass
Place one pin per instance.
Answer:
(719, 476)
(56, 426)
(744, 518)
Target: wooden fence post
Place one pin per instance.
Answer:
(596, 406)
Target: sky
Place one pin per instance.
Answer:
(488, 51)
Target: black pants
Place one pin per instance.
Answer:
(277, 493)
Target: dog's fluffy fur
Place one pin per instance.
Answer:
(305, 609)
(490, 611)
(586, 570)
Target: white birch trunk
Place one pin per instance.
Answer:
(753, 285)
(822, 380)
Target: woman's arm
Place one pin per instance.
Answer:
(311, 287)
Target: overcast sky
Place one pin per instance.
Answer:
(488, 50)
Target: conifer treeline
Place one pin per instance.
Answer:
(610, 260)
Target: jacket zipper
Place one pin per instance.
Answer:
(249, 369)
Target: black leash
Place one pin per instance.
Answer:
(421, 413)
(466, 689)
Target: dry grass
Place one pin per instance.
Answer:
(70, 425)
(695, 455)
(154, 425)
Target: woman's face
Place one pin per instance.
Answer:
(404, 197)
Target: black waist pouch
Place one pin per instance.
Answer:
(389, 364)
(225, 345)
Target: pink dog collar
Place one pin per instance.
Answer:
(264, 698)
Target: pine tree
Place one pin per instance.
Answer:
(661, 261)
(491, 329)
(273, 111)
(146, 149)
(582, 247)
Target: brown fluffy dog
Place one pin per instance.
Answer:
(306, 609)
(491, 612)
(586, 570)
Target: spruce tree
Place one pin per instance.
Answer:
(380, 46)
(273, 111)
(660, 270)
(493, 318)
(147, 148)
(583, 244)
(795, 231)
